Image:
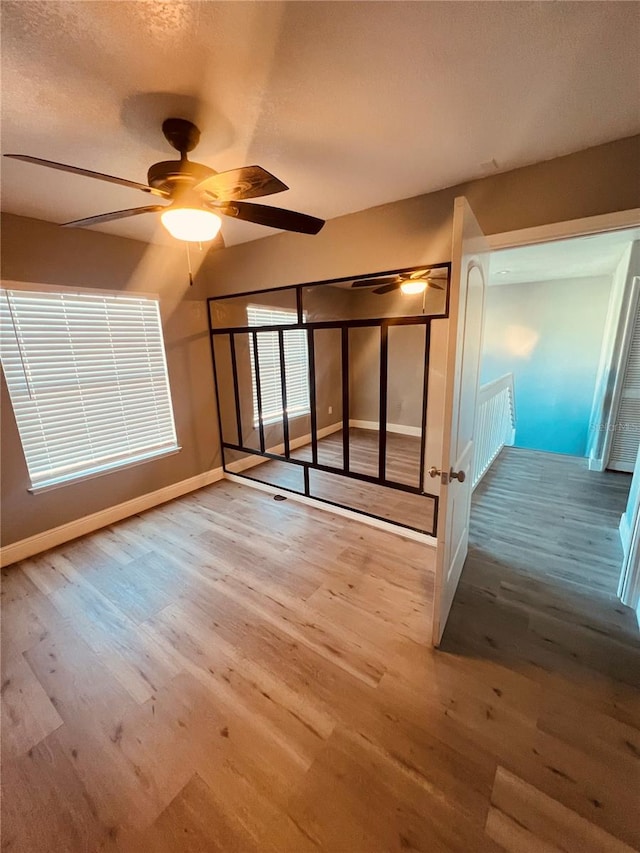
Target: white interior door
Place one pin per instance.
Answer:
(469, 271)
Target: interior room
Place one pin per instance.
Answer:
(301, 542)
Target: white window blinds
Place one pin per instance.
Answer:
(295, 359)
(88, 381)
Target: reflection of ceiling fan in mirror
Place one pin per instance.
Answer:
(408, 283)
(198, 195)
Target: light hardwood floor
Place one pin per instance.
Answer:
(230, 673)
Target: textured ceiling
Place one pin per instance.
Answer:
(350, 104)
(578, 257)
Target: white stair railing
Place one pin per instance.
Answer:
(495, 423)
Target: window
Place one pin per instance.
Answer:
(296, 365)
(88, 381)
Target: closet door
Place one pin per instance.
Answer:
(626, 425)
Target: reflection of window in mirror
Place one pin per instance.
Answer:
(296, 365)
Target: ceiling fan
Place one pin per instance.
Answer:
(198, 194)
(408, 283)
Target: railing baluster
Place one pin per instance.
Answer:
(495, 422)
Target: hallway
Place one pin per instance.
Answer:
(536, 603)
(556, 519)
(543, 566)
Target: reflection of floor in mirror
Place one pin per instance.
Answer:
(391, 504)
(402, 456)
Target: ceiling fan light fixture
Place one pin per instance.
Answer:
(192, 224)
(413, 286)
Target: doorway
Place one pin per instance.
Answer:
(561, 323)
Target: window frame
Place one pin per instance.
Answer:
(98, 469)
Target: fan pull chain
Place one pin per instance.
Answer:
(189, 265)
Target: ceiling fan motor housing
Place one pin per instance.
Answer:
(175, 175)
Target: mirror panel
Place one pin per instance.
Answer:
(267, 349)
(252, 366)
(272, 472)
(405, 384)
(346, 300)
(328, 375)
(364, 400)
(242, 346)
(268, 308)
(384, 502)
(225, 389)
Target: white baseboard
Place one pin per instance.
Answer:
(388, 526)
(596, 464)
(401, 429)
(33, 545)
(251, 460)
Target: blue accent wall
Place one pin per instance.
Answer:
(549, 335)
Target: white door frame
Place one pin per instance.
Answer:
(602, 224)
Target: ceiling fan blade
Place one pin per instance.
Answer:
(387, 288)
(432, 285)
(273, 217)
(110, 217)
(248, 182)
(75, 170)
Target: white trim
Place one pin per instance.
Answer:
(401, 429)
(629, 586)
(387, 526)
(625, 534)
(110, 468)
(616, 221)
(252, 460)
(87, 524)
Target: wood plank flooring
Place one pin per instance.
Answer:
(536, 603)
(230, 673)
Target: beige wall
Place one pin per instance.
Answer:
(39, 252)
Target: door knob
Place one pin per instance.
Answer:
(460, 476)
